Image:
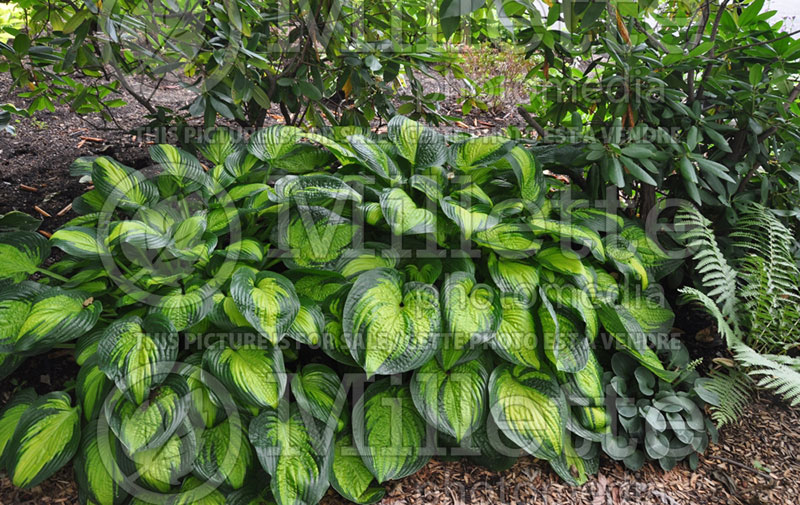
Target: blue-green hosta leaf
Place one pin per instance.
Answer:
(121, 186)
(255, 373)
(356, 261)
(388, 431)
(423, 147)
(495, 451)
(10, 416)
(182, 166)
(136, 353)
(79, 241)
(564, 344)
(454, 401)
(529, 174)
(225, 454)
(313, 189)
(184, 309)
(403, 215)
(96, 470)
(349, 476)
(15, 305)
(303, 158)
(267, 300)
(530, 409)
(514, 277)
(315, 237)
(471, 313)
(478, 151)
(268, 144)
(22, 253)
(516, 339)
(509, 239)
(470, 219)
(162, 467)
(309, 325)
(573, 232)
(374, 158)
(198, 492)
(319, 392)
(56, 316)
(622, 254)
(388, 326)
(91, 387)
(293, 453)
(45, 439)
(149, 425)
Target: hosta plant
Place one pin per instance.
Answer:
(316, 310)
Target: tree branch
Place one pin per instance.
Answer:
(712, 39)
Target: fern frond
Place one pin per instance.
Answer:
(724, 329)
(781, 374)
(734, 389)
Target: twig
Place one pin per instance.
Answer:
(46, 234)
(92, 139)
(712, 39)
(532, 122)
(742, 465)
(654, 41)
(64, 210)
(41, 211)
(763, 43)
(28, 188)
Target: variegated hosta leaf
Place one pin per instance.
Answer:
(185, 309)
(515, 277)
(9, 363)
(303, 158)
(162, 467)
(425, 270)
(293, 453)
(203, 406)
(647, 249)
(45, 439)
(388, 431)
(478, 151)
(529, 174)
(423, 147)
(313, 189)
(96, 470)
(15, 305)
(182, 166)
(218, 145)
(309, 325)
(349, 476)
(245, 250)
(268, 144)
(570, 298)
(514, 240)
(78, 241)
(10, 416)
(403, 215)
(314, 284)
(91, 387)
(573, 232)
(356, 261)
(197, 492)
(315, 237)
(565, 345)
(454, 401)
(607, 288)
(137, 353)
(334, 345)
(252, 494)
(56, 316)
(622, 254)
(530, 409)
(566, 262)
(469, 218)
(22, 253)
(370, 154)
(138, 234)
(224, 454)
(516, 339)
(122, 186)
(574, 466)
(267, 300)
(585, 392)
(254, 373)
(391, 327)
(581, 212)
(319, 392)
(471, 312)
(427, 186)
(149, 425)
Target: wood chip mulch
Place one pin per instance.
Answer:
(757, 461)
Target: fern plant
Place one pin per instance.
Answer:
(754, 300)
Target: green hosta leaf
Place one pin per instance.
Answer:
(529, 175)
(454, 401)
(529, 407)
(316, 237)
(161, 468)
(10, 416)
(57, 316)
(422, 146)
(182, 166)
(197, 492)
(470, 219)
(122, 186)
(516, 339)
(224, 454)
(472, 313)
(78, 241)
(564, 344)
(349, 476)
(267, 300)
(18, 221)
(313, 189)
(388, 431)
(309, 325)
(374, 158)
(293, 453)
(514, 277)
(45, 439)
(22, 253)
(254, 373)
(96, 470)
(319, 392)
(136, 353)
(91, 387)
(576, 233)
(149, 425)
(357, 261)
(478, 151)
(510, 239)
(403, 215)
(388, 326)
(269, 144)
